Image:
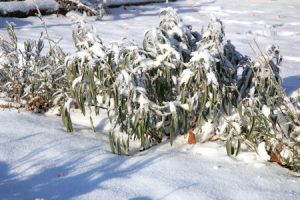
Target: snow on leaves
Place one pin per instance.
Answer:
(179, 81)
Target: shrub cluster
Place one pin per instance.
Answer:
(180, 80)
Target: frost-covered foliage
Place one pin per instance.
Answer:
(32, 77)
(184, 80)
(180, 81)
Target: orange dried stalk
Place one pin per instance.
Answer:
(9, 106)
(4, 106)
(275, 157)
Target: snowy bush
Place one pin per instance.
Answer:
(180, 81)
(32, 77)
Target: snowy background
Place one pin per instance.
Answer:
(39, 160)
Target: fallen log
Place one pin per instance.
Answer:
(27, 8)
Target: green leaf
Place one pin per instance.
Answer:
(238, 147)
(119, 146)
(229, 148)
(111, 137)
(92, 124)
(251, 127)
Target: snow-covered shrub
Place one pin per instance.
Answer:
(180, 81)
(265, 115)
(31, 77)
(184, 80)
(137, 86)
(84, 69)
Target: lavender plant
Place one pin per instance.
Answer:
(31, 77)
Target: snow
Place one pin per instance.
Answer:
(212, 79)
(261, 151)
(39, 160)
(185, 76)
(197, 56)
(266, 110)
(128, 2)
(172, 108)
(45, 162)
(68, 104)
(27, 5)
(144, 102)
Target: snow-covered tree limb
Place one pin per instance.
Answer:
(27, 8)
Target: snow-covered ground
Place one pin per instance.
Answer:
(39, 160)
